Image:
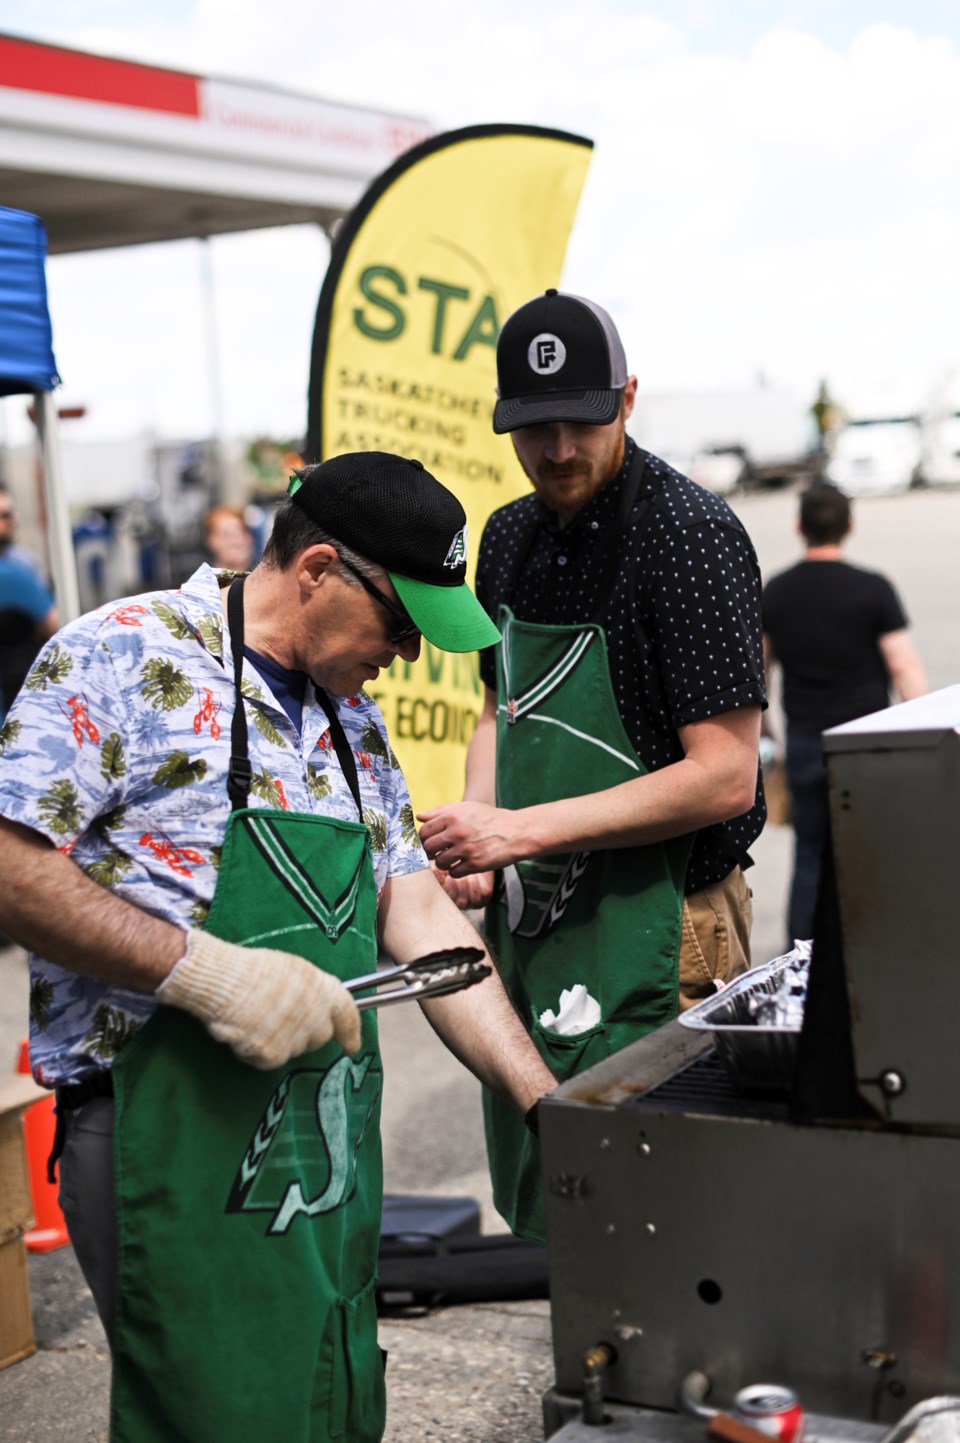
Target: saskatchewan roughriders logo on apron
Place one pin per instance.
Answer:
(302, 1159)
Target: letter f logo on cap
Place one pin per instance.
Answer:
(546, 354)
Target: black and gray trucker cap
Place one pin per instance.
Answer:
(559, 358)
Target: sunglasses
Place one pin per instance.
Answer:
(404, 626)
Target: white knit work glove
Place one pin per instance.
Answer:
(268, 1006)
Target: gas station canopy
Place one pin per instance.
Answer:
(112, 152)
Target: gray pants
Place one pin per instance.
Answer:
(87, 1201)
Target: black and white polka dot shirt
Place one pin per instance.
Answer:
(682, 622)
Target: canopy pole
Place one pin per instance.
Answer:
(63, 562)
(213, 363)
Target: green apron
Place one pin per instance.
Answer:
(249, 1202)
(608, 919)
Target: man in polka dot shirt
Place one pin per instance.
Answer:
(613, 786)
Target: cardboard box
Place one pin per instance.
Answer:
(16, 1215)
(16, 1322)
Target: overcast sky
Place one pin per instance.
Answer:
(775, 190)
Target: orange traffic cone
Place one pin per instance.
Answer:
(39, 1125)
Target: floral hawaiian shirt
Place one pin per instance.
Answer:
(117, 750)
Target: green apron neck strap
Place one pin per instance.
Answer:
(240, 774)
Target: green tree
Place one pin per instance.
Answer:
(825, 411)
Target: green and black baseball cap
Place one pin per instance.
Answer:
(392, 511)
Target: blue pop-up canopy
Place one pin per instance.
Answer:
(26, 337)
(27, 365)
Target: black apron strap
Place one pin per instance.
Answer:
(628, 497)
(240, 774)
(341, 746)
(611, 565)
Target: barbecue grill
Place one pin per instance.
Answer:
(808, 1236)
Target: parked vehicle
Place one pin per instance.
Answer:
(940, 458)
(876, 455)
(726, 439)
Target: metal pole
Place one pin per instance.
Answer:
(63, 562)
(213, 362)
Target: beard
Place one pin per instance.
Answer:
(567, 486)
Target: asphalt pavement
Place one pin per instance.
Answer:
(471, 1374)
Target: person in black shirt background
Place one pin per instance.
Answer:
(839, 635)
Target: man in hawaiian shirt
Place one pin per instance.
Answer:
(186, 771)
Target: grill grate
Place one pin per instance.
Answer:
(705, 1087)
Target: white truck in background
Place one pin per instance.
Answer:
(940, 451)
(725, 439)
(877, 452)
(876, 455)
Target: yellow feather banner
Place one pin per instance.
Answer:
(442, 248)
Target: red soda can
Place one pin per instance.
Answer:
(772, 1409)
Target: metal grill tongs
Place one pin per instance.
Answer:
(430, 976)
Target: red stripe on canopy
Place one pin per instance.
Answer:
(52, 70)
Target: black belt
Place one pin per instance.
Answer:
(69, 1098)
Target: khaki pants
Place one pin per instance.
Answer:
(715, 940)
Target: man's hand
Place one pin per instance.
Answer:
(268, 1006)
(471, 837)
(715, 781)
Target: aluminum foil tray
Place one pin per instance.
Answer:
(758, 1058)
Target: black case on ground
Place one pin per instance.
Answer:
(432, 1254)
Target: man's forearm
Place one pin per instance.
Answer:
(715, 780)
(909, 680)
(478, 1025)
(50, 905)
(482, 1030)
(664, 804)
(904, 667)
